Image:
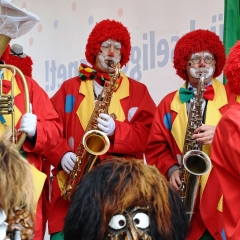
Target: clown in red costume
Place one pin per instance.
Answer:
(196, 52)
(74, 101)
(225, 149)
(43, 129)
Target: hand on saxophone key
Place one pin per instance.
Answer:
(204, 134)
(106, 124)
(68, 161)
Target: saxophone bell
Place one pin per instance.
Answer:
(96, 142)
(197, 162)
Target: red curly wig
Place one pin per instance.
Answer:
(101, 32)
(196, 41)
(24, 64)
(232, 69)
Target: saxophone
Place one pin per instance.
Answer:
(194, 162)
(20, 222)
(94, 141)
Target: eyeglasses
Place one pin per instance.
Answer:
(197, 60)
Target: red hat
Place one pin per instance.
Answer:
(101, 32)
(232, 69)
(197, 41)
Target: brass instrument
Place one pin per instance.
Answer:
(7, 101)
(195, 163)
(94, 142)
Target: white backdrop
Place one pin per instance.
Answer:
(57, 43)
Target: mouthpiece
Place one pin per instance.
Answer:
(202, 76)
(111, 63)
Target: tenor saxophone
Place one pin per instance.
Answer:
(194, 162)
(94, 141)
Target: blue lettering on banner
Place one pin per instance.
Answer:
(152, 55)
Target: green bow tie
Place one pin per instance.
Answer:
(185, 94)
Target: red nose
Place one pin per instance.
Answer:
(202, 63)
(111, 54)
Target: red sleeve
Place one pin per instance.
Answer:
(225, 154)
(49, 128)
(131, 135)
(62, 147)
(161, 145)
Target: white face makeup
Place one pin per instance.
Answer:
(109, 50)
(196, 72)
(196, 59)
(198, 63)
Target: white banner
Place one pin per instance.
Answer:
(57, 43)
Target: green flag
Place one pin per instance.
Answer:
(231, 32)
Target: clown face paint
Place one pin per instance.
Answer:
(133, 224)
(198, 63)
(110, 50)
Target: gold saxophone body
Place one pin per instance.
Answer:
(195, 162)
(94, 141)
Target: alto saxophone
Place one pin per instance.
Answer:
(194, 162)
(94, 141)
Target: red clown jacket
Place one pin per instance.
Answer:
(225, 157)
(165, 146)
(48, 132)
(74, 102)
